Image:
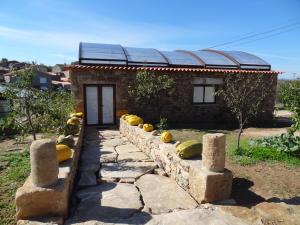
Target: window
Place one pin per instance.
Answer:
(204, 94)
(43, 80)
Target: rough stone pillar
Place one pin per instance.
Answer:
(44, 164)
(213, 153)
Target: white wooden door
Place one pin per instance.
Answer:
(92, 107)
(107, 105)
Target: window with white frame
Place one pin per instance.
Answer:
(204, 94)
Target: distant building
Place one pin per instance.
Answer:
(58, 68)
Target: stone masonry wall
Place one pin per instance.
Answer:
(177, 106)
(204, 186)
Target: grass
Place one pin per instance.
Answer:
(13, 176)
(247, 154)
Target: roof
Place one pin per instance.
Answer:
(171, 69)
(117, 55)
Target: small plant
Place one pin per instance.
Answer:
(284, 143)
(163, 124)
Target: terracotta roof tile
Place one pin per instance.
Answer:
(175, 69)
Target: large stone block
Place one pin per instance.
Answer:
(206, 186)
(213, 153)
(44, 164)
(32, 201)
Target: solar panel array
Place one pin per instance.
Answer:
(112, 54)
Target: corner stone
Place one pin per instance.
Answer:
(206, 186)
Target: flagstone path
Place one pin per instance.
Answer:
(119, 184)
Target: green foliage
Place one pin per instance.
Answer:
(163, 124)
(33, 110)
(149, 86)
(284, 143)
(290, 94)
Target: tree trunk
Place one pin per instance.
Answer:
(31, 124)
(239, 136)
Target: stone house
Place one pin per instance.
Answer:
(100, 82)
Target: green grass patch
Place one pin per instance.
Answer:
(247, 155)
(17, 168)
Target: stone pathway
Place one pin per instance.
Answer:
(119, 184)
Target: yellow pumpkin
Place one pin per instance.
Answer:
(78, 114)
(166, 137)
(63, 152)
(73, 121)
(148, 127)
(134, 120)
(122, 112)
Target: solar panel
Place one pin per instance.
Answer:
(144, 56)
(247, 60)
(179, 58)
(108, 54)
(112, 54)
(213, 59)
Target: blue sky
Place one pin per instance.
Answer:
(49, 31)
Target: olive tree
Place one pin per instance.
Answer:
(244, 96)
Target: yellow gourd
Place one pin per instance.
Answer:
(166, 137)
(73, 121)
(63, 152)
(189, 149)
(78, 114)
(148, 127)
(134, 120)
(121, 112)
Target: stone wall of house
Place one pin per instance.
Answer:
(202, 184)
(177, 105)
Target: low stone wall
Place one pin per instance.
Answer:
(202, 183)
(41, 201)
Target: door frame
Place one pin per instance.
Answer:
(100, 104)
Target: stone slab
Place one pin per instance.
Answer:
(108, 202)
(162, 195)
(87, 178)
(126, 169)
(132, 157)
(112, 142)
(199, 216)
(127, 148)
(89, 167)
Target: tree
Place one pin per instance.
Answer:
(33, 110)
(24, 103)
(244, 96)
(290, 94)
(148, 88)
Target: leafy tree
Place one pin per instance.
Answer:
(33, 110)
(244, 96)
(148, 88)
(24, 103)
(290, 94)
